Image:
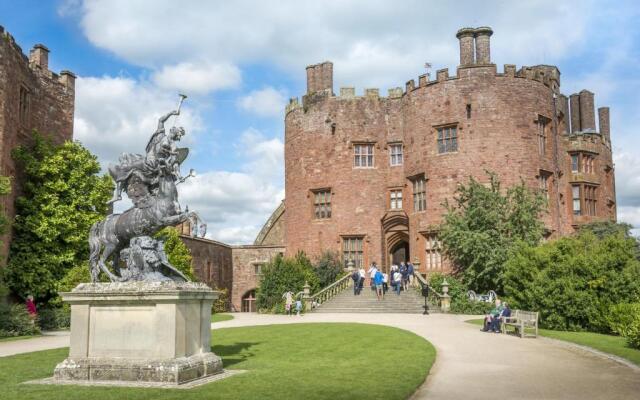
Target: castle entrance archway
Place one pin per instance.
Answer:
(395, 233)
(249, 301)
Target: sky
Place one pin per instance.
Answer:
(240, 61)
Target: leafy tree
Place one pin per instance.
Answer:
(328, 268)
(483, 224)
(63, 195)
(460, 303)
(5, 188)
(574, 281)
(178, 253)
(282, 275)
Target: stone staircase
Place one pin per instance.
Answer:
(409, 302)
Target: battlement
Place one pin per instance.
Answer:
(37, 61)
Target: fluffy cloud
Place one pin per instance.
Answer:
(116, 114)
(198, 78)
(267, 102)
(373, 43)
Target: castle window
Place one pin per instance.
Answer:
(322, 203)
(395, 154)
(23, 111)
(542, 134)
(352, 251)
(589, 200)
(363, 155)
(447, 139)
(419, 194)
(433, 259)
(543, 184)
(575, 194)
(575, 162)
(395, 197)
(587, 163)
(468, 111)
(257, 269)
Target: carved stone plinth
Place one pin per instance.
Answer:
(156, 332)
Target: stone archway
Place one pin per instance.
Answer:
(395, 234)
(248, 302)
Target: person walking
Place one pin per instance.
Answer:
(288, 302)
(397, 281)
(410, 271)
(31, 309)
(385, 281)
(362, 278)
(355, 276)
(377, 279)
(405, 276)
(372, 273)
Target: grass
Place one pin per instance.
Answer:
(615, 345)
(221, 317)
(298, 361)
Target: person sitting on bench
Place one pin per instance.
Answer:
(505, 313)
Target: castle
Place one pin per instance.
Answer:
(32, 97)
(367, 175)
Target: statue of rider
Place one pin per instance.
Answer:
(161, 157)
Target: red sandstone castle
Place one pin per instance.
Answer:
(368, 175)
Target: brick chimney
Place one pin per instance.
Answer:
(320, 77)
(467, 45)
(603, 122)
(587, 111)
(483, 45)
(39, 55)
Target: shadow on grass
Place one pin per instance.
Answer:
(234, 353)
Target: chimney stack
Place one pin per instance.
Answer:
(320, 77)
(483, 46)
(467, 45)
(587, 111)
(574, 102)
(39, 55)
(603, 121)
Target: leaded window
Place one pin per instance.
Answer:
(395, 199)
(575, 194)
(590, 200)
(352, 251)
(395, 154)
(363, 155)
(322, 203)
(542, 134)
(433, 259)
(419, 194)
(447, 139)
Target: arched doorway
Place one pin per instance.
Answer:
(249, 301)
(399, 252)
(395, 229)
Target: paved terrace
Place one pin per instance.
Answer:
(469, 364)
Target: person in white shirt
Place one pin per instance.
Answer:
(385, 281)
(372, 273)
(288, 296)
(397, 281)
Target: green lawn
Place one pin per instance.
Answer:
(298, 361)
(221, 317)
(615, 345)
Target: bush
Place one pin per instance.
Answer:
(329, 268)
(460, 303)
(51, 319)
(282, 275)
(221, 304)
(624, 319)
(574, 281)
(16, 321)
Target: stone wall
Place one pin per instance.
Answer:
(32, 97)
(272, 233)
(247, 261)
(498, 116)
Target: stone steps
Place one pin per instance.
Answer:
(409, 302)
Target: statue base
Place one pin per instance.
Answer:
(153, 332)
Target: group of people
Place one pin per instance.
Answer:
(399, 277)
(289, 303)
(496, 316)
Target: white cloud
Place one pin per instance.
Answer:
(116, 114)
(267, 102)
(198, 78)
(263, 157)
(373, 43)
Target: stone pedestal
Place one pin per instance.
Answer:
(153, 332)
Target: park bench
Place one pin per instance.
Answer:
(521, 320)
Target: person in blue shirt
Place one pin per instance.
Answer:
(378, 279)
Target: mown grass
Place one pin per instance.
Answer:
(299, 361)
(615, 345)
(221, 317)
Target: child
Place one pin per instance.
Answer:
(298, 307)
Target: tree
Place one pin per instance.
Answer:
(283, 275)
(63, 195)
(178, 253)
(483, 224)
(328, 268)
(574, 281)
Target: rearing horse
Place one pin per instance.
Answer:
(109, 236)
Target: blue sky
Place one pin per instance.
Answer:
(240, 61)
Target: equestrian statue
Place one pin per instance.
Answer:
(150, 182)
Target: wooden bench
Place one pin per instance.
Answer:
(521, 320)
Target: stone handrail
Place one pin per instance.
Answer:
(314, 300)
(420, 282)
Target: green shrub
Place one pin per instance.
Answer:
(16, 321)
(329, 268)
(460, 303)
(624, 319)
(221, 304)
(282, 275)
(51, 319)
(574, 281)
